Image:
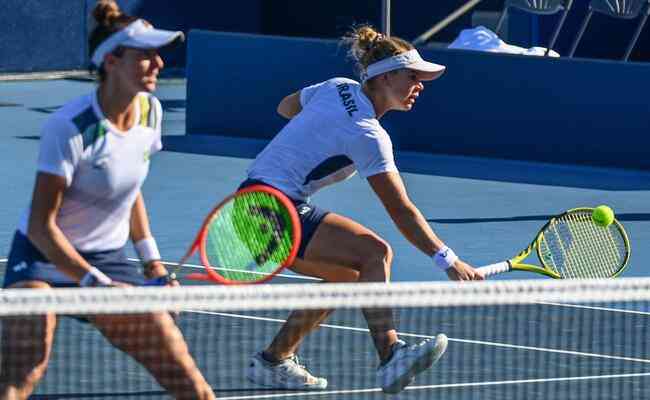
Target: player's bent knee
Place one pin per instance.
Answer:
(388, 254)
(383, 252)
(379, 257)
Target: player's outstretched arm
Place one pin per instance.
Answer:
(390, 189)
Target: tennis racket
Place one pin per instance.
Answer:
(571, 245)
(247, 238)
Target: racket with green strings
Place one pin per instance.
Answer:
(572, 245)
(247, 238)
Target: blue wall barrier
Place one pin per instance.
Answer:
(32, 29)
(37, 35)
(491, 105)
(239, 16)
(237, 80)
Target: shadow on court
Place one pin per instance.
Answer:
(443, 165)
(620, 217)
(145, 394)
(169, 105)
(484, 169)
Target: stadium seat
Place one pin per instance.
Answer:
(540, 7)
(621, 9)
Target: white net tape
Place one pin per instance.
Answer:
(313, 296)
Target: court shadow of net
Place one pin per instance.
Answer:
(621, 217)
(517, 171)
(145, 394)
(168, 105)
(439, 165)
(486, 169)
(142, 394)
(512, 171)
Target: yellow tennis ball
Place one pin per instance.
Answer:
(602, 216)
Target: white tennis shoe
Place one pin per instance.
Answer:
(408, 361)
(288, 374)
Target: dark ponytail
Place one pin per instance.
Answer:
(109, 19)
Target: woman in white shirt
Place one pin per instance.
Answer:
(333, 132)
(93, 159)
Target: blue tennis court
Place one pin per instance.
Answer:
(486, 209)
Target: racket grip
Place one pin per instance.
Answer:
(494, 269)
(161, 280)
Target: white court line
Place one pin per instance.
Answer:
(620, 310)
(547, 350)
(308, 278)
(441, 386)
(290, 276)
(300, 277)
(484, 343)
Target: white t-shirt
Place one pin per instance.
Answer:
(104, 169)
(335, 135)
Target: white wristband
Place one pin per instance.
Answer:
(147, 250)
(445, 258)
(95, 277)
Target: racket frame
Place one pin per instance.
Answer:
(200, 240)
(516, 264)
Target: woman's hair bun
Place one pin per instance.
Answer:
(367, 46)
(361, 41)
(106, 12)
(366, 37)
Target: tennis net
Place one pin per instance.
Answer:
(542, 339)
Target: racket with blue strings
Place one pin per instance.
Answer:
(572, 245)
(247, 238)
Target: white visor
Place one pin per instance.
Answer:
(137, 34)
(411, 60)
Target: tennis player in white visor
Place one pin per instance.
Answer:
(334, 132)
(93, 159)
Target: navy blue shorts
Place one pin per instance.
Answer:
(310, 216)
(27, 263)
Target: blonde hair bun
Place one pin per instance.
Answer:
(360, 41)
(368, 46)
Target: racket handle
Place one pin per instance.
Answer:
(494, 269)
(161, 280)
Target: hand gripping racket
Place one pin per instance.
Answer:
(572, 245)
(247, 238)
